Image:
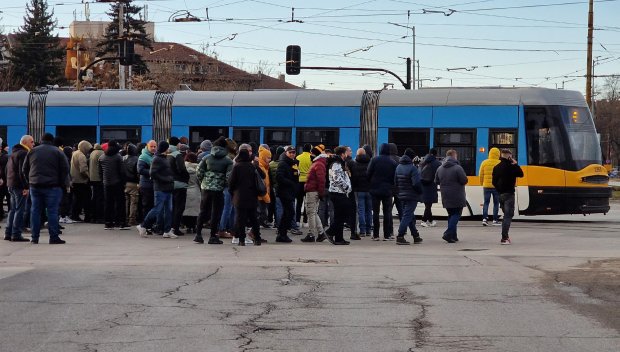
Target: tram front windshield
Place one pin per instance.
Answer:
(582, 138)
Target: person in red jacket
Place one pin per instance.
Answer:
(315, 191)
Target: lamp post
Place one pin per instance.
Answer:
(413, 51)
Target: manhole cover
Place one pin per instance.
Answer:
(473, 249)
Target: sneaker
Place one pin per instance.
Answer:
(235, 240)
(322, 237)
(169, 235)
(63, 220)
(283, 239)
(376, 238)
(295, 232)
(57, 241)
(388, 238)
(341, 243)
(485, 222)
(178, 232)
(355, 237)
(433, 223)
(425, 224)
(505, 241)
(124, 227)
(141, 231)
(497, 223)
(309, 238)
(417, 240)
(215, 240)
(73, 220)
(401, 240)
(248, 241)
(108, 227)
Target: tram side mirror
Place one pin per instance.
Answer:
(293, 59)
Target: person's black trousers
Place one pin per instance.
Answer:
(114, 204)
(342, 206)
(288, 212)
(386, 203)
(211, 207)
(242, 217)
(81, 197)
(179, 196)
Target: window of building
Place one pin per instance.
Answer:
(504, 139)
(121, 134)
(72, 135)
(330, 138)
(277, 136)
(246, 135)
(463, 141)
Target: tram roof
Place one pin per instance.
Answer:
(268, 98)
(66, 98)
(14, 99)
(481, 96)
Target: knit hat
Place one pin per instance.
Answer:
(162, 147)
(183, 148)
(410, 153)
(279, 152)
(173, 141)
(318, 149)
(206, 146)
(289, 148)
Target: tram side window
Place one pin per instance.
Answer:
(277, 136)
(72, 135)
(330, 138)
(545, 144)
(463, 143)
(246, 135)
(504, 140)
(121, 134)
(416, 139)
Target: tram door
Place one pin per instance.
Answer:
(464, 142)
(72, 135)
(200, 133)
(416, 139)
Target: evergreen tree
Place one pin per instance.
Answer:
(37, 56)
(132, 27)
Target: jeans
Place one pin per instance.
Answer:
(408, 218)
(364, 211)
(45, 198)
(81, 197)
(312, 209)
(211, 206)
(288, 215)
(179, 196)
(326, 211)
(228, 214)
(488, 192)
(279, 211)
(114, 204)
(386, 202)
(454, 215)
(341, 213)
(132, 195)
(16, 213)
(163, 206)
(508, 207)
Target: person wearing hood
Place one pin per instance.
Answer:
(361, 188)
(486, 180)
(65, 202)
(192, 203)
(96, 185)
(264, 158)
(79, 183)
(407, 180)
(112, 172)
(132, 191)
(212, 173)
(181, 177)
(47, 170)
(205, 146)
(505, 176)
(396, 200)
(228, 213)
(287, 176)
(428, 168)
(163, 185)
(452, 179)
(144, 169)
(315, 191)
(304, 162)
(368, 149)
(339, 189)
(381, 175)
(276, 205)
(17, 184)
(242, 186)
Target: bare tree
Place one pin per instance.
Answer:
(608, 120)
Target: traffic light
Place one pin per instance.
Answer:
(293, 59)
(126, 52)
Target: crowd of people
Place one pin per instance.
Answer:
(166, 188)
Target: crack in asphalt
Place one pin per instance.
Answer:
(177, 289)
(419, 324)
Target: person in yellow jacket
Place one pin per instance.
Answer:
(264, 157)
(305, 161)
(486, 180)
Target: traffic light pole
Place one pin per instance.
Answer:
(407, 84)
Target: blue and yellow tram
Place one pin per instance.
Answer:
(551, 132)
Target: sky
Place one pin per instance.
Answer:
(460, 43)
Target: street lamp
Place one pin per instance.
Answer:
(413, 50)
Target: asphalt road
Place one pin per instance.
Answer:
(556, 288)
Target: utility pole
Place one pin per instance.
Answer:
(589, 65)
(413, 83)
(77, 57)
(121, 68)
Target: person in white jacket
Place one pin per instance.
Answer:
(339, 189)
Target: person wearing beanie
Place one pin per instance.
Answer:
(287, 176)
(205, 146)
(361, 187)
(163, 185)
(228, 213)
(242, 187)
(46, 169)
(275, 207)
(112, 172)
(181, 179)
(407, 181)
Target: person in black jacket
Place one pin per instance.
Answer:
(163, 185)
(181, 179)
(504, 180)
(47, 170)
(287, 176)
(4, 190)
(132, 192)
(381, 175)
(112, 172)
(428, 168)
(18, 189)
(407, 180)
(361, 188)
(242, 187)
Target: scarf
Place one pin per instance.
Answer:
(146, 156)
